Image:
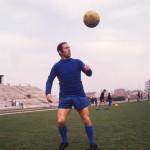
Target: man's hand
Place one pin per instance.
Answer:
(50, 98)
(86, 68)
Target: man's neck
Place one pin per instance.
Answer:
(64, 58)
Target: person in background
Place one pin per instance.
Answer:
(102, 96)
(109, 98)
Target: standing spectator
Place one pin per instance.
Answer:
(94, 100)
(109, 98)
(138, 96)
(141, 96)
(21, 105)
(91, 98)
(102, 96)
(148, 96)
(128, 98)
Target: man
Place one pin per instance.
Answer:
(138, 96)
(109, 98)
(68, 72)
(102, 96)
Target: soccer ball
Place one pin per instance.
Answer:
(91, 19)
(116, 105)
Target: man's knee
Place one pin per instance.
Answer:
(86, 120)
(61, 121)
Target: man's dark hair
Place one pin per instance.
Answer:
(59, 46)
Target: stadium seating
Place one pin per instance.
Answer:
(30, 96)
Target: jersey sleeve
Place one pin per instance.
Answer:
(81, 64)
(50, 79)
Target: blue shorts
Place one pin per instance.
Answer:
(78, 102)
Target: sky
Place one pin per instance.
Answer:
(117, 50)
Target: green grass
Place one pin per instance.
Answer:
(126, 127)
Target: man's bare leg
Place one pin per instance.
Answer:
(62, 116)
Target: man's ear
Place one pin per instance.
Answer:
(60, 53)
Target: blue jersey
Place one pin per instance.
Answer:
(68, 72)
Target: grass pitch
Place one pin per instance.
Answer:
(126, 127)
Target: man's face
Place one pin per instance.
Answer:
(66, 53)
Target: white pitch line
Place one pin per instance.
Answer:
(21, 112)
